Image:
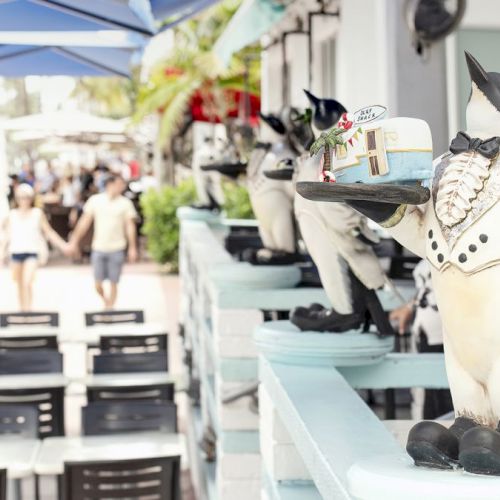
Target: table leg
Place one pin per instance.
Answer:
(17, 489)
(37, 487)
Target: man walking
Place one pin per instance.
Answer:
(114, 226)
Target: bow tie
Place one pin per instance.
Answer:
(488, 148)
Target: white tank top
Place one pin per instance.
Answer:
(25, 231)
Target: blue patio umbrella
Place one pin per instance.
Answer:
(163, 9)
(77, 15)
(71, 54)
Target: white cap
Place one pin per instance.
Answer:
(25, 191)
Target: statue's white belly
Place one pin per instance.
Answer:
(470, 310)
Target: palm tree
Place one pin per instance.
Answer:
(327, 140)
(192, 67)
(112, 97)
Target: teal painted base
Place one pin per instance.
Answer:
(283, 342)
(189, 213)
(241, 275)
(395, 477)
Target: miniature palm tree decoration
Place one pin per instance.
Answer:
(326, 141)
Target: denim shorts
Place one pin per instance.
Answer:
(22, 257)
(108, 265)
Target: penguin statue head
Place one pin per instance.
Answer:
(326, 112)
(274, 129)
(298, 126)
(483, 109)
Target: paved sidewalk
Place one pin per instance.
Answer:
(69, 289)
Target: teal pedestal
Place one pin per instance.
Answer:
(282, 342)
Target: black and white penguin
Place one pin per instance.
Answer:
(272, 201)
(339, 242)
(457, 232)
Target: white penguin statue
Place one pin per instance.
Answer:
(339, 242)
(208, 183)
(458, 232)
(272, 201)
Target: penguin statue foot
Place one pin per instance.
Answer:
(321, 319)
(480, 451)
(212, 207)
(432, 445)
(268, 257)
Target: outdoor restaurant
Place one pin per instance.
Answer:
(246, 251)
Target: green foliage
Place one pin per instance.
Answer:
(237, 205)
(191, 67)
(161, 226)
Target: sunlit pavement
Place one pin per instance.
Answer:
(68, 289)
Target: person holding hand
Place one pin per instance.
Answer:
(114, 219)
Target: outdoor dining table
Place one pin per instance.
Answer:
(18, 456)
(139, 379)
(55, 451)
(91, 335)
(33, 381)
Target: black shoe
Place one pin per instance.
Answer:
(268, 257)
(430, 444)
(212, 207)
(480, 451)
(325, 320)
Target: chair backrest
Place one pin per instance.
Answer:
(152, 478)
(24, 361)
(29, 319)
(108, 417)
(29, 342)
(3, 484)
(134, 343)
(117, 362)
(157, 392)
(19, 420)
(49, 403)
(113, 317)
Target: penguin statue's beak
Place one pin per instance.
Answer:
(231, 170)
(283, 171)
(477, 73)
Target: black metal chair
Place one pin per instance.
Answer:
(29, 319)
(29, 342)
(19, 420)
(156, 392)
(107, 417)
(48, 402)
(26, 361)
(3, 484)
(113, 317)
(118, 362)
(134, 343)
(153, 478)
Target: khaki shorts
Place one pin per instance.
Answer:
(107, 265)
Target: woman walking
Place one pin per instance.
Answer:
(26, 227)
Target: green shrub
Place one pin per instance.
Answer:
(237, 205)
(161, 226)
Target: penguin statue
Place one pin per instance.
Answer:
(457, 231)
(339, 242)
(208, 183)
(272, 201)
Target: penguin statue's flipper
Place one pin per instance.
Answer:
(283, 171)
(380, 193)
(231, 170)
